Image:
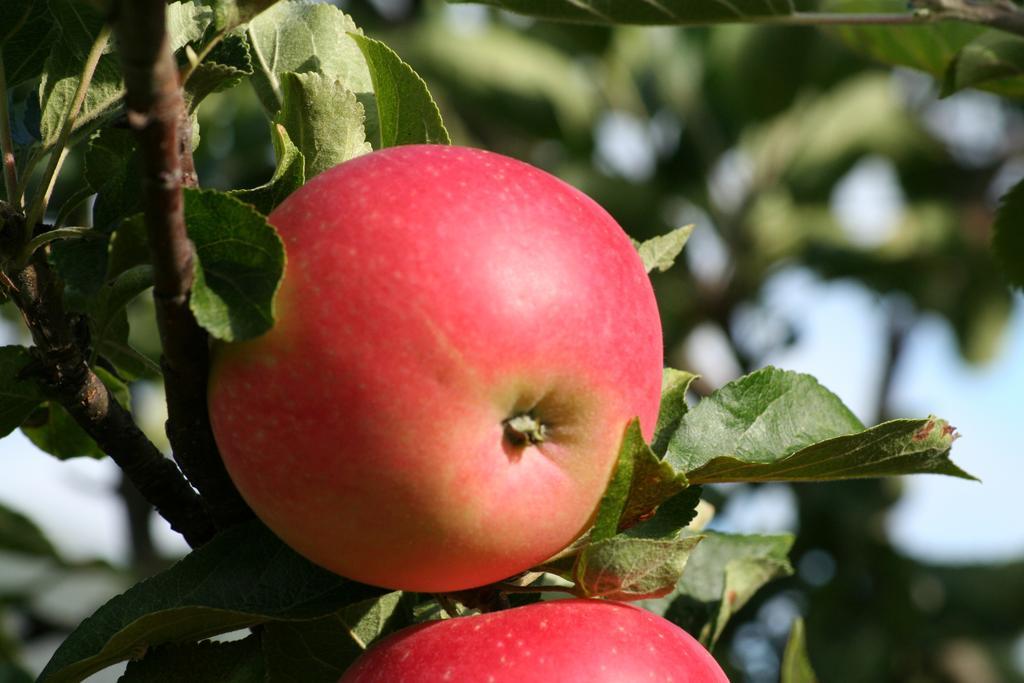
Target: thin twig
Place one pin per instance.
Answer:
(155, 108)
(59, 152)
(73, 384)
(7, 143)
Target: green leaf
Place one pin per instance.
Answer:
(109, 321)
(52, 429)
(408, 114)
(243, 577)
(81, 265)
(929, 48)
(958, 54)
(224, 68)
(632, 12)
(796, 667)
(300, 37)
(661, 252)
(232, 13)
(323, 118)
(722, 574)
(186, 22)
(320, 650)
(128, 246)
(289, 175)
(1008, 235)
(891, 448)
(12, 673)
(238, 661)
(639, 484)
(992, 56)
(239, 264)
(674, 386)
(79, 25)
(114, 172)
(26, 33)
(18, 397)
(761, 417)
(629, 568)
(19, 534)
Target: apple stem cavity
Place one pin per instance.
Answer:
(524, 430)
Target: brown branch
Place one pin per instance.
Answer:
(156, 111)
(1004, 15)
(72, 383)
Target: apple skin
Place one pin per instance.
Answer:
(431, 293)
(564, 641)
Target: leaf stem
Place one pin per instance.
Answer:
(844, 19)
(59, 153)
(7, 143)
(52, 235)
(203, 54)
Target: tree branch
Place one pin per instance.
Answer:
(76, 387)
(7, 143)
(1004, 15)
(156, 111)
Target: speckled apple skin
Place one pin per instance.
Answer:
(565, 641)
(430, 293)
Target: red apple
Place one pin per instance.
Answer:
(461, 342)
(566, 641)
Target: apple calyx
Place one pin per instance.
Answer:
(524, 430)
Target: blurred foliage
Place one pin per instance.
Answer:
(750, 132)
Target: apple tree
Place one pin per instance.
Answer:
(109, 228)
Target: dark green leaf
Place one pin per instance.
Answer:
(128, 246)
(12, 673)
(239, 264)
(239, 661)
(299, 37)
(54, 431)
(81, 265)
(929, 48)
(760, 418)
(632, 12)
(18, 397)
(992, 56)
(243, 577)
(109, 321)
(289, 175)
(661, 252)
(723, 573)
(19, 534)
(1008, 237)
(79, 26)
(224, 68)
(674, 386)
(319, 651)
(407, 113)
(796, 667)
(323, 118)
(891, 448)
(113, 170)
(26, 33)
